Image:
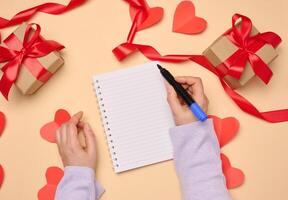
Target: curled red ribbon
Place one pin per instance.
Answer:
(240, 39)
(32, 48)
(141, 15)
(49, 8)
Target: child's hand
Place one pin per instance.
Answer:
(181, 112)
(70, 149)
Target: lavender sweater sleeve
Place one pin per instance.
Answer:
(78, 183)
(197, 160)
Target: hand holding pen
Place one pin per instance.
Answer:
(186, 88)
(181, 112)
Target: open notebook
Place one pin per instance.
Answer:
(136, 116)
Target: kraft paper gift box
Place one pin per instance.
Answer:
(222, 48)
(26, 82)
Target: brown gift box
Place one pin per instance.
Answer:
(222, 48)
(26, 82)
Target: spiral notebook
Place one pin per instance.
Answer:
(135, 115)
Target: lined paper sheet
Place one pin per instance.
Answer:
(136, 116)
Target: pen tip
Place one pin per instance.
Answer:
(159, 66)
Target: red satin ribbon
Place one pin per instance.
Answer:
(128, 48)
(247, 47)
(141, 15)
(49, 8)
(17, 53)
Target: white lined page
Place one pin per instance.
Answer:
(136, 116)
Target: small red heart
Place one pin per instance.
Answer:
(234, 176)
(1, 175)
(47, 192)
(226, 129)
(185, 20)
(53, 177)
(61, 116)
(155, 14)
(48, 131)
(225, 162)
(2, 122)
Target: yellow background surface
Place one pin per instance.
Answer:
(89, 34)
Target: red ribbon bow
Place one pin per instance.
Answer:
(17, 53)
(248, 46)
(127, 48)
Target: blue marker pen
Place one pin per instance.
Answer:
(194, 107)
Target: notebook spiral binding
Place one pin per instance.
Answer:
(105, 124)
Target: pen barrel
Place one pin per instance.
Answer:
(182, 92)
(177, 87)
(198, 112)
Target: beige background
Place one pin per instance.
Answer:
(89, 34)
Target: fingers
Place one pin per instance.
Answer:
(68, 132)
(72, 136)
(69, 146)
(75, 119)
(80, 125)
(195, 84)
(173, 100)
(61, 139)
(72, 131)
(58, 137)
(67, 138)
(188, 79)
(63, 135)
(89, 139)
(58, 141)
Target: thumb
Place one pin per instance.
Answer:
(173, 100)
(76, 118)
(89, 138)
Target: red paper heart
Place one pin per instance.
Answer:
(47, 192)
(155, 14)
(2, 122)
(1, 175)
(226, 129)
(185, 20)
(48, 131)
(225, 162)
(53, 177)
(234, 176)
(61, 116)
